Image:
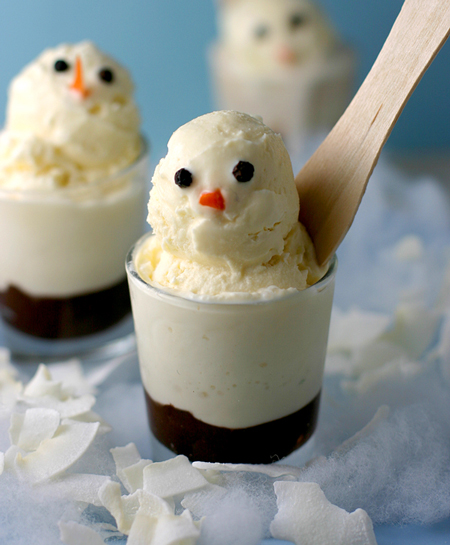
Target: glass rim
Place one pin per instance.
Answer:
(171, 295)
(63, 191)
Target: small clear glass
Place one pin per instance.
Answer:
(63, 289)
(231, 381)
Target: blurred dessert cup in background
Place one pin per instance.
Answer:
(73, 180)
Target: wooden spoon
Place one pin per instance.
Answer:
(332, 183)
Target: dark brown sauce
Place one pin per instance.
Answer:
(65, 318)
(265, 443)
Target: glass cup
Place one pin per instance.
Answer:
(231, 381)
(63, 288)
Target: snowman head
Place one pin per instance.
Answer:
(78, 99)
(269, 35)
(224, 192)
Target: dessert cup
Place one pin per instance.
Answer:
(63, 289)
(231, 381)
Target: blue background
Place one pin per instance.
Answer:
(164, 43)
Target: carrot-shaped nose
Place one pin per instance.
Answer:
(286, 55)
(78, 81)
(214, 199)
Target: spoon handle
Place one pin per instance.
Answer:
(332, 183)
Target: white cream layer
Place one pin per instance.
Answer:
(233, 364)
(64, 244)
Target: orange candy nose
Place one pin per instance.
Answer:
(214, 199)
(286, 55)
(78, 82)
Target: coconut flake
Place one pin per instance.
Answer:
(29, 430)
(164, 530)
(132, 477)
(171, 478)
(414, 329)
(355, 328)
(124, 508)
(10, 457)
(273, 470)
(56, 455)
(77, 487)
(72, 533)
(152, 505)
(71, 377)
(397, 370)
(196, 502)
(129, 466)
(43, 391)
(306, 517)
(375, 355)
(68, 408)
(125, 456)
(42, 385)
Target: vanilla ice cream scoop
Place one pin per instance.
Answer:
(224, 191)
(79, 100)
(224, 210)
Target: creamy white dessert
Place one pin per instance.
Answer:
(231, 309)
(224, 209)
(73, 170)
(283, 60)
(232, 365)
(72, 243)
(72, 112)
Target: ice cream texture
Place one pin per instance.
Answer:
(71, 119)
(224, 211)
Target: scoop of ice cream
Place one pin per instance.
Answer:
(30, 163)
(233, 159)
(269, 35)
(79, 100)
(224, 209)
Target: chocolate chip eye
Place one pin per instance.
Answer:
(183, 178)
(106, 75)
(261, 31)
(243, 171)
(297, 20)
(61, 65)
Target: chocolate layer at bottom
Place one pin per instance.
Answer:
(265, 443)
(65, 317)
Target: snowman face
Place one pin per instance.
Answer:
(275, 34)
(225, 190)
(71, 93)
(83, 73)
(215, 182)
